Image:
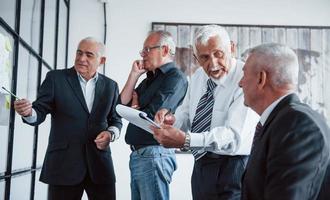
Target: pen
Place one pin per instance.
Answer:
(12, 94)
(168, 112)
(149, 120)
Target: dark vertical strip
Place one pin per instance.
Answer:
(56, 32)
(67, 33)
(105, 29)
(12, 111)
(36, 129)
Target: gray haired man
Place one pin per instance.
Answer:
(215, 125)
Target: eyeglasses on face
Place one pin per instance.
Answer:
(205, 57)
(146, 50)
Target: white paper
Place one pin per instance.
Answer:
(133, 116)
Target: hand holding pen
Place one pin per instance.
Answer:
(22, 106)
(164, 116)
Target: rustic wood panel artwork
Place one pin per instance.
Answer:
(312, 45)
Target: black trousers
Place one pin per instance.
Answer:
(218, 177)
(75, 192)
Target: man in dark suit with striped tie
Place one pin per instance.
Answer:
(215, 125)
(290, 151)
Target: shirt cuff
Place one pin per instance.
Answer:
(31, 119)
(196, 140)
(115, 133)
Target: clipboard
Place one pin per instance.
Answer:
(136, 117)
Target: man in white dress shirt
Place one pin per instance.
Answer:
(82, 104)
(215, 125)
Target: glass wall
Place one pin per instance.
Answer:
(33, 41)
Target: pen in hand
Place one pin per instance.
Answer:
(12, 94)
(169, 118)
(168, 112)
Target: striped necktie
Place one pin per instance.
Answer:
(256, 136)
(203, 116)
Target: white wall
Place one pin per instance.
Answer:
(130, 20)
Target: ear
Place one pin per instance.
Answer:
(262, 77)
(165, 50)
(102, 60)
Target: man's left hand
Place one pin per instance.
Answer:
(169, 137)
(103, 139)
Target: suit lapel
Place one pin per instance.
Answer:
(72, 78)
(99, 90)
(292, 98)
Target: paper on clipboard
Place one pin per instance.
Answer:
(136, 117)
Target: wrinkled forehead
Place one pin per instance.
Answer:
(88, 46)
(212, 44)
(151, 40)
(251, 62)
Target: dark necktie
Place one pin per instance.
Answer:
(203, 116)
(256, 137)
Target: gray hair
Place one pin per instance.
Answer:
(100, 45)
(278, 60)
(165, 38)
(204, 33)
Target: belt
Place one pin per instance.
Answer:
(213, 155)
(138, 146)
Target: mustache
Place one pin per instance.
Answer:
(216, 68)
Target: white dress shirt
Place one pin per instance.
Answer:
(88, 89)
(232, 125)
(264, 116)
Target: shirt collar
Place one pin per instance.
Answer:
(163, 69)
(270, 108)
(94, 78)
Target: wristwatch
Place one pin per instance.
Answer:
(186, 145)
(112, 134)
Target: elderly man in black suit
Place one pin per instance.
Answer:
(83, 122)
(290, 151)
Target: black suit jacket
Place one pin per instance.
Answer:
(71, 151)
(290, 158)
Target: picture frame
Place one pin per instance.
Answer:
(310, 43)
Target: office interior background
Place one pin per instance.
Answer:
(41, 35)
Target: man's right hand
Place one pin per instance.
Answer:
(23, 107)
(138, 68)
(135, 101)
(164, 117)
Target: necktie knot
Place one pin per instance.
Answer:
(258, 129)
(210, 85)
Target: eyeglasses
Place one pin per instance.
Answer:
(205, 57)
(146, 50)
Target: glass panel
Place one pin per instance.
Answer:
(26, 88)
(30, 23)
(44, 129)
(7, 12)
(61, 51)
(20, 187)
(2, 189)
(6, 56)
(43, 134)
(49, 32)
(41, 189)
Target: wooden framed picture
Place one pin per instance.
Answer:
(311, 44)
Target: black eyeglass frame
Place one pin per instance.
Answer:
(147, 50)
